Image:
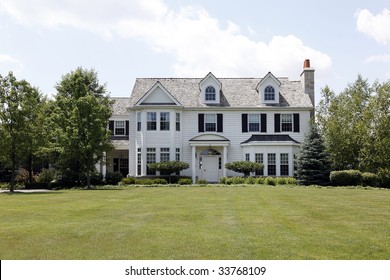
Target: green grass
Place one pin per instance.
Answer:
(197, 223)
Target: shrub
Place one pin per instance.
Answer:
(96, 179)
(370, 179)
(281, 181)
(46, 176)
(128, 181)
(250, 181)
(23, 176)
(245, 167)
(236, 180)
(270, 181)
(260, 180)
(202, 182)
(113, 178)
(185, 181)
(160, 181)
(291, 181)
(144, 181)
(384, 177)
(4, 186)
(346, 178)
(223, 180)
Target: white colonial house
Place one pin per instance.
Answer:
(210, 121)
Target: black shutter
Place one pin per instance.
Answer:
(219, 123)
(277, 122)
(244, 121)
(111, 127)
(201, 123)
(127, 127)
(296, 122)
(263, 118)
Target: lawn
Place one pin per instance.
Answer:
(256, 222)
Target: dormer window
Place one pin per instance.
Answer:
(210, 94)
(269, 93)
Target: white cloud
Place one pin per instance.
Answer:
(195, 38)
(375, 26)
(8, 63)
(378, 58)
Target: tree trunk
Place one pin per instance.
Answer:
(88, 180)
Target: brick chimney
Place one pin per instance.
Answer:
(307, 80)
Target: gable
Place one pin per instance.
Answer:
(157, 95)
(269, 81)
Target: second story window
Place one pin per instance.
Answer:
(210, 94)
(120, 127)
(286, 122)
(269, 94)
(138, 121)
(151, 121)
(164, 121)
(253, 122)
(210, 122)
(177, 121)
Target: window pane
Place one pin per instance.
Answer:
(210, 122)
(151, 121)
(269, 93)
(119, 127)
(164, 121)
(210, 94)
(286, 120)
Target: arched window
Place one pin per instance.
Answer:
(269, 93)
(210, 94)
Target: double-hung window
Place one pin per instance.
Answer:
(286, 122)
(259, 159)
(120, 127)
(164, 121)
(271, 160)
(151, 121)
(284, 164)
(210, 122)
(254, 122)
(177, 121)
(150, 158)
(164, 154)
(138, 121)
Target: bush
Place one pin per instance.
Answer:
(271, 181)
(23, 176)
(236, 180)
(202, 182)
(160, 181)
(291, 181)
(144, 181)
(96, 179)
(223, 180)
(281, 181)
(384, 177)
(250, 181)
(185, 181)
(46, 176)
(4, 186)
(113, 178)
(346, 178)
(128, 181)
(260, 181)
(370, 179)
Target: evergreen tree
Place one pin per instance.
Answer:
(313, 165)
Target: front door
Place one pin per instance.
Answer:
(210, 168)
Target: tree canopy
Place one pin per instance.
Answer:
(356, 125)
(80, 115)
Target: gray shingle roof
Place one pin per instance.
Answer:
(120, 105)
(236, 92)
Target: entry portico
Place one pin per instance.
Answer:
(208, 157)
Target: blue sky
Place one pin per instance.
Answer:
(41, 40)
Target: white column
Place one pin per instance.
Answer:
(224, 161)
(193, 164)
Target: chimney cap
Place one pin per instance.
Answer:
(306, 63)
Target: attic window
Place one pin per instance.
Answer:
(210, 94)
(269, 93)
